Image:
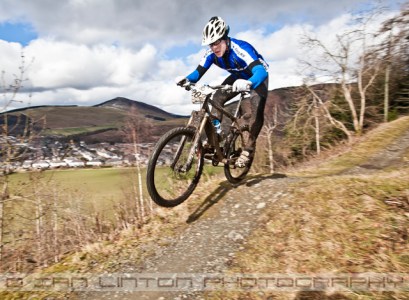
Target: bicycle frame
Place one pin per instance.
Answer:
(200, 118)
(171, 183)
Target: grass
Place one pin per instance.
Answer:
(130, 247)
(335, 224)
(65, 121)
(62, 117)
(101, 189)
(75, 130)
(339, 222)
(360, 151)
(343, 224)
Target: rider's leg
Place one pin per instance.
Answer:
(222, 96)
(257, 121)
(257, 99)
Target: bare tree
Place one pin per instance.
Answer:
(322, 108)
(305, 124)
(353, 65)
(394, 50)
(8, 151)
(135, 127)
(309, 113)
(270, 125)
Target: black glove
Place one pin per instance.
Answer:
(181, 80)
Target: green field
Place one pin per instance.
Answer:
(97, 189)
(76, 130)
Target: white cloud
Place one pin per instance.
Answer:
(10, 58)
(61, 64)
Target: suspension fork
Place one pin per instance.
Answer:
(178, 152)
(194, 147)
(181, 144)
(195, 144)
(193, 120)
(236, 113)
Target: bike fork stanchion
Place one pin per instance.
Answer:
(195, 144)
(178, 152)
(181, 144)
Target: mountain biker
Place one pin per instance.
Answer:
(248, 71)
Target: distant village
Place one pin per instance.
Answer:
(50, 154)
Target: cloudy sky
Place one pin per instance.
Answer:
(85, 52)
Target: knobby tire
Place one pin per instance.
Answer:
(235, 147)
(163, 182)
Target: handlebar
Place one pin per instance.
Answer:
(189, 85)
(200, 92)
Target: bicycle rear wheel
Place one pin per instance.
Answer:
(235, 147)
(171, 175)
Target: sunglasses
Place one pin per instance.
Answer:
(216, 43)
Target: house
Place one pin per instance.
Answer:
(74, 162)
(58, 164)
(40, 164)
(94, 163)
(70, 158)
(105, 154)
(113, 162)
(87, 155)
(129, 160)
(27, 164)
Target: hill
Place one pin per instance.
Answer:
(103, 122)
(147, 110)
(99, 123)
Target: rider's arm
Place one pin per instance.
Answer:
(196, 74)
(247, 57)
(202, 68)
(259, 74)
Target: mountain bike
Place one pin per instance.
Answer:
(177, 160)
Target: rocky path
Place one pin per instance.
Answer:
(217, 230)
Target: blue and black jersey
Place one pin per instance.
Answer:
(241, 60)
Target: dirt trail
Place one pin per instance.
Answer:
(222, 223)
(217, 230)
(391, 156)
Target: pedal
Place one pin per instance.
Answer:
(208, 156)
(208, 148)
(245, 127)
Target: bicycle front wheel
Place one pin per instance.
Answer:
(174, 168)
(235, 147)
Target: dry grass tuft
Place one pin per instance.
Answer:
(341, 224)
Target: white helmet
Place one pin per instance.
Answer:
(214, 30)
